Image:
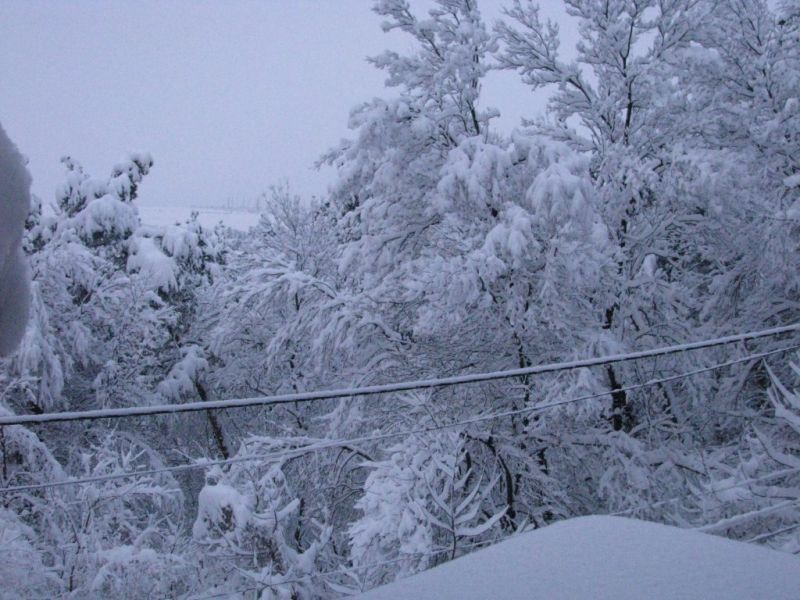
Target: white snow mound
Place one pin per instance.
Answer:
(607, 558)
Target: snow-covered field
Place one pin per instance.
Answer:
(607, 558)
(240, 219)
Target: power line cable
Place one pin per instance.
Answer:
(738, 519)
(163, 409)
(770, 534)
(328, 444)
(709, 492)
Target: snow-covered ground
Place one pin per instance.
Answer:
(241, 219)
(607, 558)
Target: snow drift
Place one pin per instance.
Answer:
(607, 558)
(14, 287)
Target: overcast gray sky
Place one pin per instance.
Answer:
(229, 97)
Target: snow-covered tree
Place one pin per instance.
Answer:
(86, 308)
(751, 498)
(283, 273)
(113, 301)
(22, 570)
(115, 537)
(253, 532)
(390, 171)
(118, 537)
(623, 121)
(420, 506)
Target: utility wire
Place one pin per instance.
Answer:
(770, 534)
(327, 444)
(744, 517)
(139, 411)
(709, 492)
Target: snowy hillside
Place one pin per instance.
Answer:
(607, 558)
(239, 219)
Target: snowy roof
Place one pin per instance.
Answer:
(607, 558)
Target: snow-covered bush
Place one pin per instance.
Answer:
(420, 506)
(250, 520)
